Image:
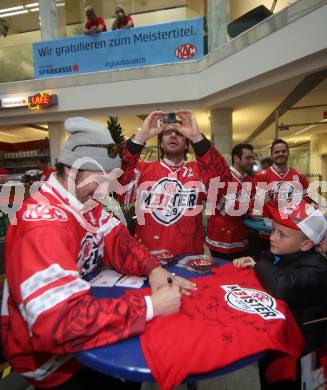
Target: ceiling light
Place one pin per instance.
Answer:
(10, 135)
(11, 9)
(34, 10)
(60, 4)
(14, 13)
(265, 147)
(308, 128)
(31, 5)
(283, 127)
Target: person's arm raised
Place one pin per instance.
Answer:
(189, 127)
(149, 128)
(210, 162)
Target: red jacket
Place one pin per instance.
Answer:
(99, 22)
(278, 183)
(166, 195)
(226, 231)
(48, 311)
(123, 23)
(282, 180)
(44, 176)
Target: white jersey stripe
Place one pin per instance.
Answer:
(278, 174)
(227, 245)
(67, 207)
(108, 226)
(42, 278)
(5, 296)
(47, 368)
(130, 196)
(50, 298)
(170, 169)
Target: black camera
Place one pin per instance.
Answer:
(169, 118)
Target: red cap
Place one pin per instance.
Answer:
(302, 216)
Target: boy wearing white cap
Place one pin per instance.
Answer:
(293, 271)
(62, 235)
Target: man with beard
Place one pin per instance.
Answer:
(169, 192)
(226, 235)
(282, 181)
(278, 184)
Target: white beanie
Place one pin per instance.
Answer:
(92, 141)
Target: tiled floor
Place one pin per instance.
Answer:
(245, 379)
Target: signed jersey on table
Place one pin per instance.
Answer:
(229, 317)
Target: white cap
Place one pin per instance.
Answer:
(302, 216)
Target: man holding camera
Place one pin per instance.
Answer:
(169, 192)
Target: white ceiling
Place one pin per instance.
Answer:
(270, 100)
(249, 111)
(72, 14)
(13, 134)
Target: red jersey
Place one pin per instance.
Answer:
(226, 231)
(99, 22)
(124, 22)
(280, 184)
(44, 176)
(170, 198)
(282, 181)
(230, 317)
(48, 312)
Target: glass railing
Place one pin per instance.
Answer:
(16, 63)
(224, 20)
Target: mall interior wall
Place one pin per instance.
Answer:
(226, 73)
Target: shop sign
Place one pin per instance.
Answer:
(42, 100)
(36, 102)
(14, 101)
